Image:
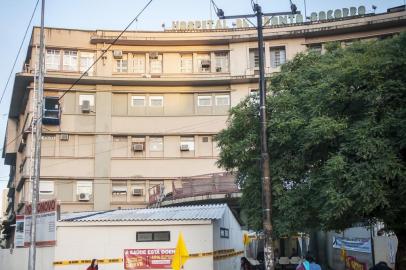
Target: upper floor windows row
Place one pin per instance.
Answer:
(277, 57)
(185, 63)
(69, 60)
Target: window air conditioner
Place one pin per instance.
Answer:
(136, 192)
(138, 147)
(85, 106)
(64, 137)
(184, 147)
(84, 197)
(118, 54)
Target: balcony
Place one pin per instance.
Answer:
(209, 188)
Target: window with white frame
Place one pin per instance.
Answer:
(203, 62)
(119, 188)
(254, 58)
(70, 60)
(187, 143)
(155, 62)
(186, 63)
(53, 59)
(46, 187)
(84, 187)
(222, 100)
(278, 56)
(156, 144)
(156, 101)
(137, 101)
(86, 97)
(139, 63)
(122, 64)
(86, 60)
(203, 101)
(221, 61)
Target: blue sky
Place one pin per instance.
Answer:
(116, 14)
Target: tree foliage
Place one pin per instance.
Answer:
(337, 140)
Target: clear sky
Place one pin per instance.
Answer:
(116, 14)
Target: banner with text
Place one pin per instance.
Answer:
(358, 245)
(46, 223)
(159, 258)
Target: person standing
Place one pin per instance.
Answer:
(309, 263)
(94, 265)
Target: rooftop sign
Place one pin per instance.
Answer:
(268, 21)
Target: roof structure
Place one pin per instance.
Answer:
(194, 212)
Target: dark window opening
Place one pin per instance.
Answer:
(224, 233)
(153, 236)
(51, 111)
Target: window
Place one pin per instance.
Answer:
(51, 111)
(138, 63)
(223, 100)
(316, 48)
(156, 144)
(224, 233)
(221, 61)
(205, 139)
(46, 187)
(137, 101)
(254, 58)
(89, 98)
(153, 236)
(122, 64)
(86, 60)
(155, 62)
(156, 101)
(278, 56)
(186, 63)
(70, 60)
(203, 62)
(204, 101)
(53, 60)
(84, 187)
(187, 143)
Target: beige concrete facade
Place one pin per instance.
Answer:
(147, 112)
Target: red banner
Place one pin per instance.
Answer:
(351, 263)
(160, 258)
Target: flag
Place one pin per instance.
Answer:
(181, 254)
(246, 239)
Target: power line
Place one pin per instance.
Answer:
(19, 51)
(105, 50)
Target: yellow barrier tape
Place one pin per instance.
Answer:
(217, 255)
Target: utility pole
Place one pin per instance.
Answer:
(37, 122)
(265, 167)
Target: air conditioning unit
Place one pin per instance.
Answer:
(85, 106)
(84, 197)
(137, 192)
(184, 147)
(153, 55)
(118, 54)
(137, 147)
(64, 137)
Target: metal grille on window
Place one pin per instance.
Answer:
(278, 56)
(70, 60)
(139, 63)
(254, 58)
(122, 64)
(221, 61)
(53, 59)
(86, 60)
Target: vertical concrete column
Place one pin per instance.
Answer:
(195, 66)
(212, 62)
(147, 69)
(103, 144)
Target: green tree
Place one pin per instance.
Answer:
(337, 141)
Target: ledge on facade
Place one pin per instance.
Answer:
(21, 183)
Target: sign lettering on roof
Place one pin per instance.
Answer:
(268, 21)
